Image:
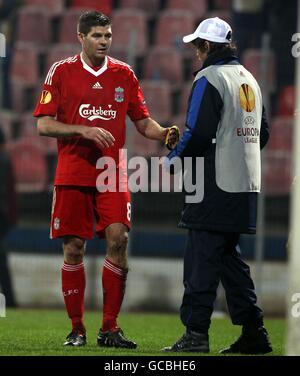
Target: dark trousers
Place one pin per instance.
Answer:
(6, 287)
(211, 257)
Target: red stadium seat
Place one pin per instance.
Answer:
(277, 173)
(28, 126)
(54, 7)
(25, 67)
(253, 60)
(198, 8)
(130, 29)
(103, 6)
(18, 95)
(50, 145)
(158, 99)
(29, 163)
(222, 4)
(122, 53)
(34, 25)
(185, 94)
(142, 146)
(61, 51)
(278, 166)
(191, 61)
(68, 27)
(149, 6)
(7, 124)
(172, 25)
(224, 14)
(287, 101)
(281, 134)
(125, 55)
(24, 73)
(28, 129)
(164, 63)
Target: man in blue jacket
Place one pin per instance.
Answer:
(226, 125)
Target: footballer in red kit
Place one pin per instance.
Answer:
(84, 103)
(76, 93)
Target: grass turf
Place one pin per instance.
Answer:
(42, 332)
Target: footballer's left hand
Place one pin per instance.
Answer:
(172, 137)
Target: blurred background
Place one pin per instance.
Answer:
(147, 34)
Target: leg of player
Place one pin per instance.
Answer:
(114, 281)
(73, 287)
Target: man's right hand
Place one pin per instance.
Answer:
(100, 136)
(50, 127)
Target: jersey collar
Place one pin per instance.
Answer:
(91, 70)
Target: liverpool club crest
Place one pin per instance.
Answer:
(119, 94)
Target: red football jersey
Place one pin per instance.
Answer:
(76, 93)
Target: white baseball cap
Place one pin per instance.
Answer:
(211, 29)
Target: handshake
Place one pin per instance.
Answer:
(172, 137)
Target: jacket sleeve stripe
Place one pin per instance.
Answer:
(194, 108)
(195, 103)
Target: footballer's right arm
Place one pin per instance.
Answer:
(50, 127)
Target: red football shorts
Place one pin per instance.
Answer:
(76, 210)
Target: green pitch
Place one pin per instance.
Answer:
(42, 332)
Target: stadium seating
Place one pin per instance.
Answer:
(191, 62)
(158, 99)
(287, 101)
(151, 7)
(123, 54)
(34, 25)
(130, 29)
(68, 27)
(224, 14)
(50, 145)
(7, 121)
(142, 146)
(24, 75)
(164, 63)
(277, 169)
(281, 134)
(185, 94)
(222, 4)
(179, 120)
(172, 25)
(28, 129)
(29, 163)
(28, 126)
(53, 7)
(104, 6)
(197, 8)
(25, 67)
(257, 62)
(61, 51)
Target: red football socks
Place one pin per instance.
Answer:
(113, 283)
(73, 286)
